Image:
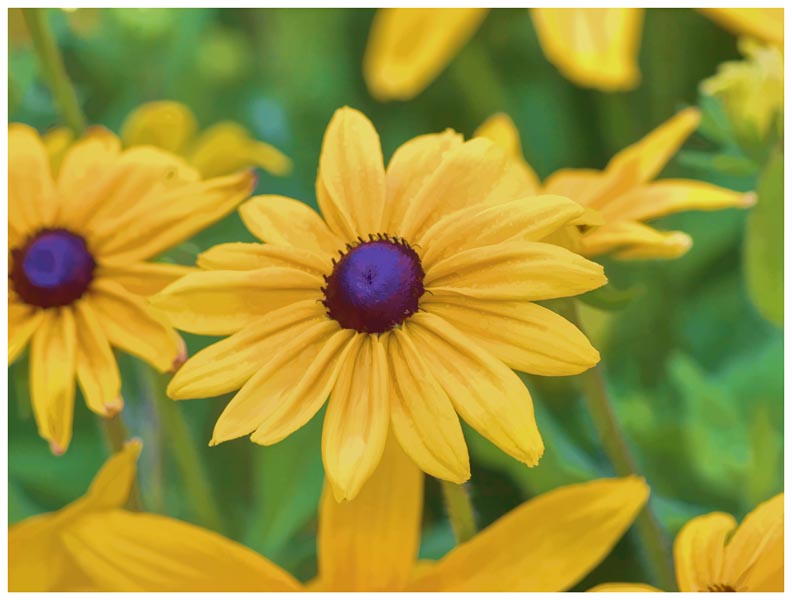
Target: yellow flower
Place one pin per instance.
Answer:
(594, 47)
(408, 303)
(78, 246)
(547, 544)
(221, 149)
(624, 194)
(712, 554)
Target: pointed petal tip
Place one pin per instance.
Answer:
(181, 357)
(748, 200)
(114, 407)
(56, 449)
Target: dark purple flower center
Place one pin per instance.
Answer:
(53, 268)
(375, 286)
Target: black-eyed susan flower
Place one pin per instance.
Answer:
(624, 194)
(78, 271)
(407, 304)
(713, 554)
(369, 544)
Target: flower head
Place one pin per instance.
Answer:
(78, 271)
(407, 304)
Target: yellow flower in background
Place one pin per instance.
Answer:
(78, 273)
(410, 302)
(713, 554)
(592, 47)
(221, 149)
(624, 193)
(370, 544)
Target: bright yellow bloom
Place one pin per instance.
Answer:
(713, 554)
(547, 544)
(78, 246)
(408, 303)
(624, 194)
(592, 47)
(221, 149)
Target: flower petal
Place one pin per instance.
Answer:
(544, 545)
(584, 186)
(484, 391)
(631, 240)
(371, 543)
(525, 336)
(57, 141)
(763, 23)
(142, 278)
(32, 543)
(699, 550)
(164, 124)
(249, 256)
(85, 160)
(501, 129)
(755, 554)
(31, 191)
(23, 320)
(356, 423)
(408, 47)
(623, 587)
(111, 486)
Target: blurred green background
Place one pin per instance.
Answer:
(695, 371)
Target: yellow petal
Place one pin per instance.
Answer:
(514, 271)
(223, 302)
(699, 550)
(631, 240)
(57, 142)
(282, 221)
(142, 278)
(111, 486)
(226, 365)
(164, 124)
(484, 391)
(127, 551)
(131, 325)
(227, 147)
(525, 336)
(424, 420)
(86, 160)
(31, 191)
(592, 47)
(763, 23)
(408, 47)
(501, 129)
(32, 543)
(245, 257)
(623, 587)
(53, 353)
(544, 545)
(371, 543)
(356, 423)
(23, 320)
(583, 186)
(350, 186)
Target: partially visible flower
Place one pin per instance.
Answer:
(78, 250)
(713, 554)
(624, 194)
(766, 24)
(409, 302)
(369, 544)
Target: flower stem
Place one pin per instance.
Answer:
(51, 63)
(656, 549)
(460, 510)
(116, 435)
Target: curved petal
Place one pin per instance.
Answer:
(763, 23)
(165, 124)
(544, 545)
(32, 543)
(371, 543)
(592, 47)
(350, 186)
(583, 186)
(142, 278)
(23, 320)
(484, 391)
(699, 550)
(57, 142)
(85, 160)
(754, 556)
(623, 587)
(631, 240)
(408, 47)
(501, 129)
(31, 190)
(424, 420)
(111, 486)
(240, 256)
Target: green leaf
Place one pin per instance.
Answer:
(736, 165)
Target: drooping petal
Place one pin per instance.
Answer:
(31, 197)
(32, 543)
(371, 543)
(23, 320)
(243, 256)
(164, 124)
(623, 587)
(408, 47)
(356, 423)
(764, 23)
(544, 545)
(350, 186)
(699, 550)
(484, 391)
(592, 47)
(501, 129)
(424, 420)
(525, 336)
(629, 239)
(583, 186)
(111, 486)
(142, 278)
(85, 160)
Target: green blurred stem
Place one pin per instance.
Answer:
(116, 435)
(460, 510)
(51, 63)
(650, 533)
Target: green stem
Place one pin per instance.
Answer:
(650, 533)
(116, 435)
(460, 510)
(51, 63)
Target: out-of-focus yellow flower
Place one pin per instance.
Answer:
(712, 556)
(592, 47)
(83, 22)
(370, 544)
(624, 195)
(752, 90)
(409, 302)
(78, 249)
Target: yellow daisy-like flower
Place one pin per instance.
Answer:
(78, 275)
(592, 47)
(713, 554)
(408, 303)
(221, 149)
(369, 544)
(624, 193)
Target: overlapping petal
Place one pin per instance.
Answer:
(630, 239)
(142, 278)
(164, 124)
(32, 203)
(699, 552)
(23, 320)
(243, 256)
